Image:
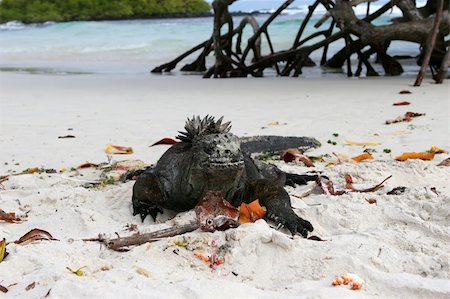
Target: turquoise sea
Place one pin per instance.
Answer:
(136, 46)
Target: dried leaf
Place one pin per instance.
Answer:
(118, 150)
(362, 157)
(30, 286)
(349, 184)
(31, 170)
(66, 136)
(406, 118)
(437, 150)
(165, 141)
(402, 103)
(251, 212)
(292, 154)
(77, 272)
(327, 186)
(405, 92)
(3, 252)
(130, 165)
(87, 165)
(364, 143)
(341, 158)
(422, 156)
(397, 191)
(433, 189)
(315, 238)
(372, 201)
(9, 217)
(201, 255)
(143, 272)
(3, 289)
(276, 123)
(446, 162)
(409, 115)
(35, 235)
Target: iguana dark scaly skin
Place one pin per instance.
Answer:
(210, 158)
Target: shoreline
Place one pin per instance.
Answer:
(152, 17)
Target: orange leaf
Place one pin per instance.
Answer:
(118, 150)
(251, 212)
(413, 155)
(32, 170)
(362, 157)
(202, 256)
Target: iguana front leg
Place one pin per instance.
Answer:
(278, 205)
(146, 193)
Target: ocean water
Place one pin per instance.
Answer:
(136, 46)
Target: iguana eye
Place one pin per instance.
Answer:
(209, 221)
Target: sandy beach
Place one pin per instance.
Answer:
(399, 246)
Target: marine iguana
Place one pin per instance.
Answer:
(210, 158)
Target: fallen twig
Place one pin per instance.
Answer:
(121, 243)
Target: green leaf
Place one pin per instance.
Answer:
(78, 272)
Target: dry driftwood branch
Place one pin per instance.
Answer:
(444, 67)
(122, 243)
(430, 43)
(357, 33)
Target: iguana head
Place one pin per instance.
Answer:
(217, 159)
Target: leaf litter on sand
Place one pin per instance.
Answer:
(341, 158)
(3, 252)
(362, 143)
(328, 186)
(405, 118)
(118, 150)
(405, 92)
(445, 162)
(251, 212)
(35, 235)
(3, 289)
(166, 141)
(77, 272)
(349, 184)
(405, 103)
(30, 286)
(9, 217)
(294, 154)
(413, 155)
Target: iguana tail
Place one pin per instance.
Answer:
(258, 144)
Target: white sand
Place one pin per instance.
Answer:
(400, 247)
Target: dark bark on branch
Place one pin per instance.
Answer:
(414, 26)
(430, 43)
(444, 67)
(122, 243)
